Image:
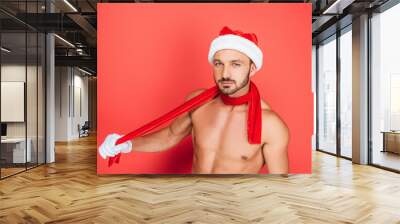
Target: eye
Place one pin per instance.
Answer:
(236, 65)
(217, 63)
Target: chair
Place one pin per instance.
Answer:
(84, 130)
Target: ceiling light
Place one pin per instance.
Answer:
(5, 50)
(64, 40)
(70, 5)
(84, 71)
(338, 6)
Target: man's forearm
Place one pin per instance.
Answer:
(153, 142)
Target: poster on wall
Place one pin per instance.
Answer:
(204, 88)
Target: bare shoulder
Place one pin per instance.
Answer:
(194, 94)
(271, 119)
(273, 126)
(265, 105)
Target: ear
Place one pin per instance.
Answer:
(253, 69)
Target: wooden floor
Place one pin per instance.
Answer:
(69, 191)
(10, 171)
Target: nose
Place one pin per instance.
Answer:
(225, 72)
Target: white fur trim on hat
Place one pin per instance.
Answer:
(235, 42)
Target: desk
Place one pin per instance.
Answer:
(17, 151)
(391, 141)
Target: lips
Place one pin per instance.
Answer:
(226, 85)
(227, 82)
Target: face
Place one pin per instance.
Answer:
(232, 70)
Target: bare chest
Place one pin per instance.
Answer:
(221, 130)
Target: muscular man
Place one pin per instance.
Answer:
(220, 131)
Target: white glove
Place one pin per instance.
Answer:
(108, 147)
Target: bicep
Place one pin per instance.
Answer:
(182, 125)
(276, 139)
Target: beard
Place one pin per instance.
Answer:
(237, 87)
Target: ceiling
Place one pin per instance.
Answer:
(76, 22)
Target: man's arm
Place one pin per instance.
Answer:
(166, 137)
(275, 135)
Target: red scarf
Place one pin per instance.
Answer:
(252, 98)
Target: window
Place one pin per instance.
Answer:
(327, 95)
(385, 88)
(22, 77)
(346, 93)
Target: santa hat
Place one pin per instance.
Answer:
(246, 43)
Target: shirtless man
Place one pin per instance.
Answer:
(219, 131)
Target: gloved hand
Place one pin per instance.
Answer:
(109, 149)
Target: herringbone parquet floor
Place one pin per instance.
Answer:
(69, 191)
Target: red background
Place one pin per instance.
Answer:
(150, 56)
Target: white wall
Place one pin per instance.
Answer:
(61, 103)
(16, 72)
(12, 73)
(33, 127)
(70, 83)
(80, 83)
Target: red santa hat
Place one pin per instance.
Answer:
(246, 43)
